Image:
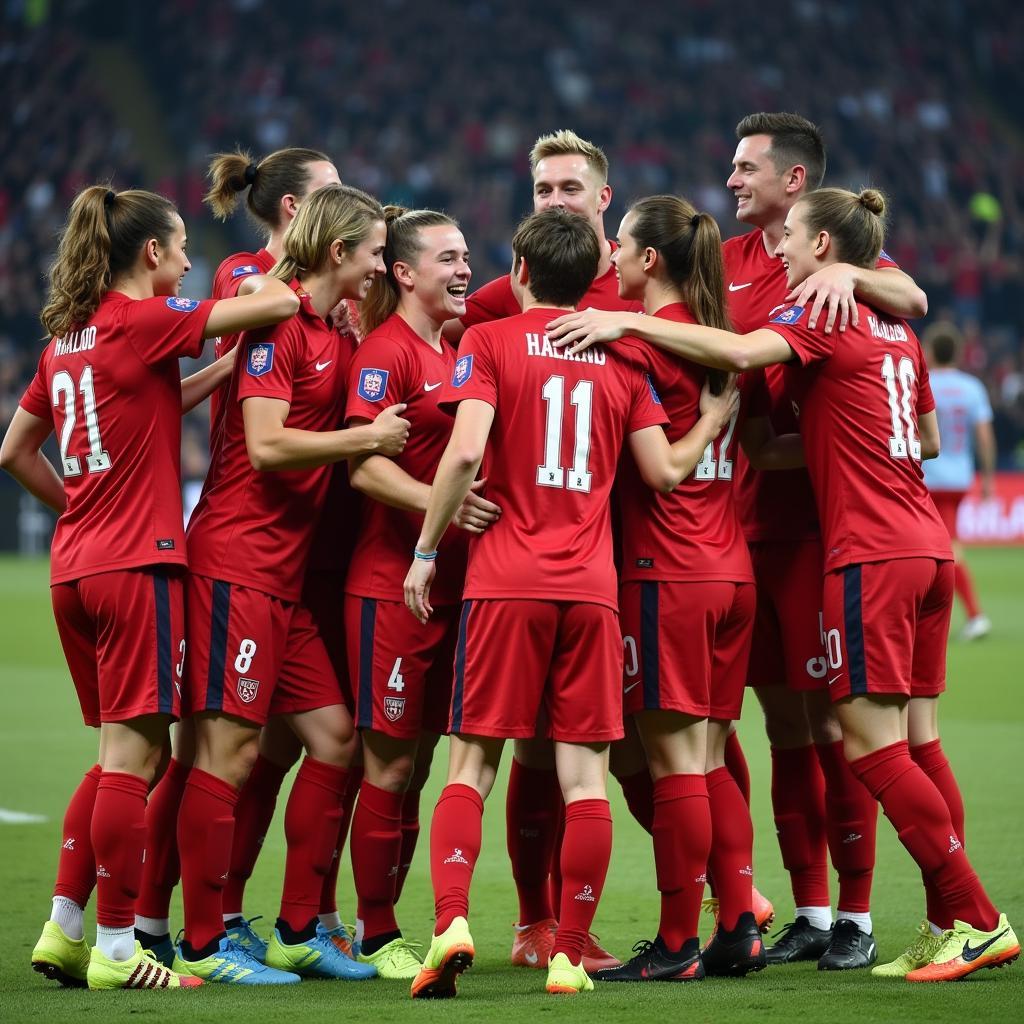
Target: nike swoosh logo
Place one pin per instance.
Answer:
(530, 958)
(626, 689)
(430, 387)
(834, 678)
(738, 287)
(323, 366)
(971, 955)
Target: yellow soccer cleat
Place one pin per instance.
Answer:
(141, 971)
(59, 958)
(965, 950)
(917, 954)
(396, 960)
(566, 978)
(449, 955)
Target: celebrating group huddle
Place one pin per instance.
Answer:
(383, 445)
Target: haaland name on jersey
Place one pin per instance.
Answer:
(538, 345)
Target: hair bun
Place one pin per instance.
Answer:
(873, 201)
(250, 173)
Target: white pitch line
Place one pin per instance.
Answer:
(19, 817)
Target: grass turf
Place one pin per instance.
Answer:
(46, 748)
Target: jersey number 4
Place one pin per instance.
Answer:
(550, 473)
(899, 384)
(64, 393)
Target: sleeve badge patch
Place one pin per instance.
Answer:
(463, 370)
(655, 397)
(176, 302)
(259, 358)
(373, 384)
(788, 316)
(249, 268)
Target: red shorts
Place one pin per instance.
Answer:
(886, 625)
(686, 646)
(403, 671)
(787, 648)
(517, 658)
(123, 635)
(947, 502)
(323, 593)
(253, 655)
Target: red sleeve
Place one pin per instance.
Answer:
(809, 346)
(36, 399)
(378, 377)
(167, 326)
(231, 273)
(474, 374)
(269, 358)
(886, 262)
(645, 408)
(493, 301)
(925, 398)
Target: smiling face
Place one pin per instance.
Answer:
(568, 182)
(361, 264)
(760, 190)
(800, 250)
(440, 276)
(629, 261)
(171, 261)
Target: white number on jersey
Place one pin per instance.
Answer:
(899, 384)
(632, 661)
(246, 652)
(98, 458)
(550, 473)
(396, 681)
(710, 467)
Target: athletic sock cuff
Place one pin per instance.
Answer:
(679, 787)
(210, 784)
(599, 809)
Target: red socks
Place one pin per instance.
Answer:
(921, 818)
(205, 826)
(162, 869)
(329, 892)
(454, 848)
(851, 819)
(118, 836)
(76, 867)
(638, 790)
(311, 823)
(798, 801)
(736, 762)
(532, 811)
(964, 587)
(732, 844)
(410, 837)
(586, 850)
(376, 849)
(682, 843)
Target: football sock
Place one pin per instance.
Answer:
(206, 824)
(376, 848)
(162, 869)
(963, 584)
(454, 847)
(371, 945)
(732, 843)
(736, 762)
(586, 850)
(916, 808)
(798, 802)
(817, 917)
(76, 867)
(311, 822)
(68, 915)
(157, 927)
(638, 790)
(851, 821)
(119, 844)
(555, 881)
(331, 920)
(116, 943)
(682, 842)
(862, 921)
(294, 936)
(410, 837)
(532, 810)
(254, 811)
(329, 892)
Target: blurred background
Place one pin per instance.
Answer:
(437, 104)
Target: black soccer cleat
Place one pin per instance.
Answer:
(849, 949)
(653, 962)
(732, 954)
(800, 940)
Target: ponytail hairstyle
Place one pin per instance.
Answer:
(284, 172)
(855, 222)
(104, 233)
(331, 213)
(403, 246)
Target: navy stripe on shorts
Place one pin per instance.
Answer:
(460, 668)
(367, 624)
(164, 682)
(853, 624)
(218, 645)
(649, 658)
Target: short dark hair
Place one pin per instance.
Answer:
(562, 253)
(795, 140)
(944, 339)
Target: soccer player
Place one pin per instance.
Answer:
(541, 580)
(257, 651)
(402, 672)
(109, 382)
(965, 420)
(867, 419)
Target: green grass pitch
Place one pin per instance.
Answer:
(45, 748)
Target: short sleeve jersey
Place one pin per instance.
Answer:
(961, 403)
(692, 534)
(255, 528)
(558, 430)
(395, 364)
(112, 390)
(859, 396)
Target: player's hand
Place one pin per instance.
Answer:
(833, 285)
(476, 513)
(417, 588)
(392, 431)
(586, 327)
(721, 407)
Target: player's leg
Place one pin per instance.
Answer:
(978, 623)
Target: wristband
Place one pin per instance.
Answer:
(424, 556)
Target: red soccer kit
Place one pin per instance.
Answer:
(403, 671)
(536, 575)
(112, 390)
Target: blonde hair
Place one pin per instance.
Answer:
(854, 220)
(568, 143)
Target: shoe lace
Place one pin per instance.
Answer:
(784, 931)
(709, 906)
(403, 952)
(845, 937)
(642, 949)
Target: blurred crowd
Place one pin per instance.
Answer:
(438, 104)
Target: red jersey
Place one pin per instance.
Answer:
(559, 427)
(255, 528)
(396, 365)
(859, 395)
(112, 390)
(693, 533)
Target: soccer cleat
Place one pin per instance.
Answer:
(596, 958)
(850, 948)
(162, 951)
(244, 936)
(917, 954)
(449, 955)
(395, 960)
(975, 628)
(965, 950)
(140, 971)
(566, 978)
(59, 958)
(764, 912)
(341, 937)
(735, 953)
(800, 940)
(532, 944)
(232, 965)
(317, 957)
(653, 962)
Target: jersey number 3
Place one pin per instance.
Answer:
(550, 473)
(63, 384)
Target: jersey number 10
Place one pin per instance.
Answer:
(903, 440)
(98, 459)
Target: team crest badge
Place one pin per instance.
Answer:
(176, 302)
(247, 689)
(788, 316)
(373, 384)
(463, 370)
(249, 268)
(394, 708)
(259, 358)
